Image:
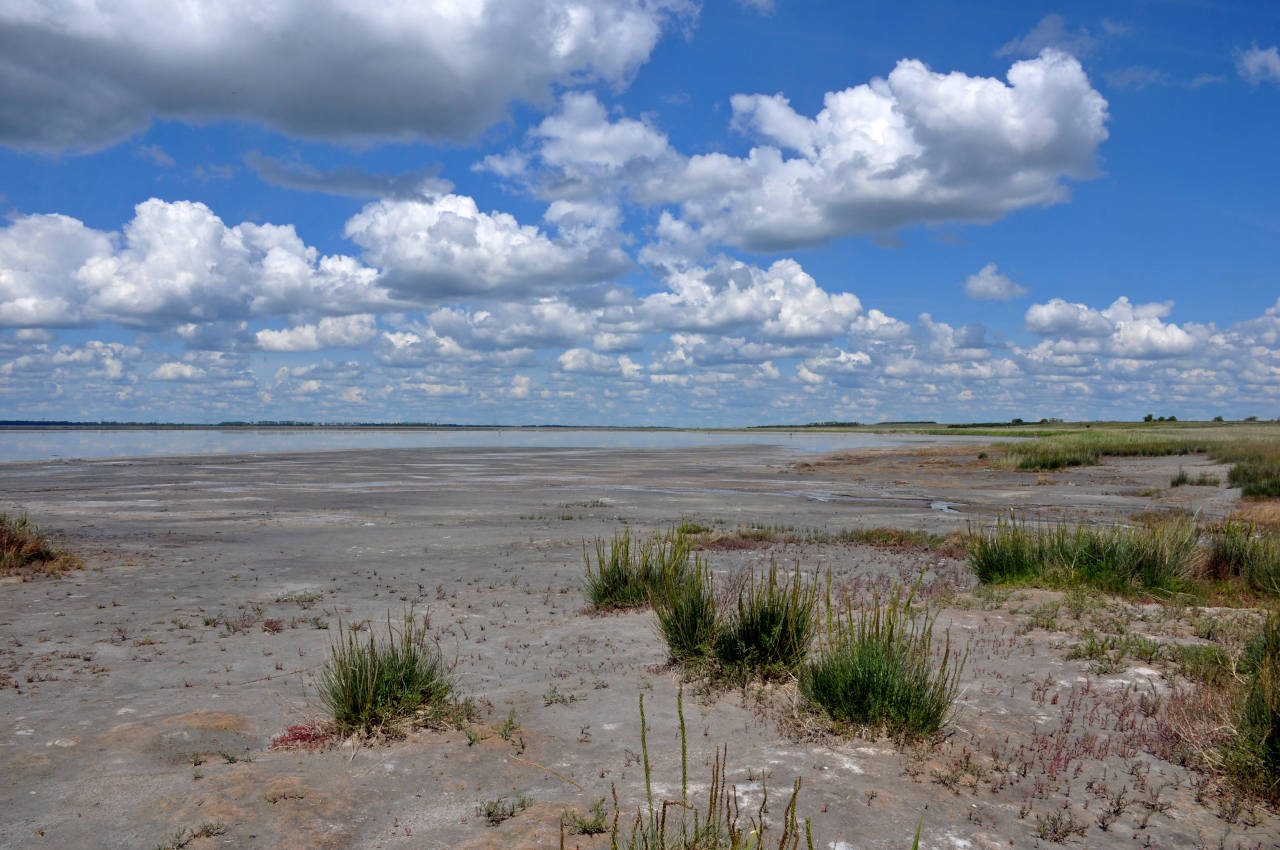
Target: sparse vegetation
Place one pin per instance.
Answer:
(876, 670)
(496, 811)
(25, 550)
(595, 822)
(683, 825)
(367, 684)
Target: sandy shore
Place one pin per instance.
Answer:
(114, 677)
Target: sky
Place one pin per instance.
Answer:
(638, 212)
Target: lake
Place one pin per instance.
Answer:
(51, 444)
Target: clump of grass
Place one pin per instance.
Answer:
(25, 550)
(876, 670)
(1158, 558)
(595, 823)
(496, 811)
(773, 627)
(368, 684)
(1241, 549)
(1259, 728)
(626, 572)
(1204, 479)
(685, 607)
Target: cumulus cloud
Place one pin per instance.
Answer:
(916, 147)
(1259, 66)
(81, 76)
(989, 285)
(781, 302)
(174, 371)
(1121, 330)
(330, 332)
(443, 247)
(173, 263)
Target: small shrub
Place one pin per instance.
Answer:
(876, 671)
(626, 573)
(686, 611)
(369, 683)
(773, 627)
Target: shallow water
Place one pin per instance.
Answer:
(43, 444)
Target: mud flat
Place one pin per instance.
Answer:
(140, 696)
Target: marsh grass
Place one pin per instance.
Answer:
(1255, 466)
(1238, 549)
(685, 607)
(1260, 710)
(26, 550)
(370, 683)
(773, 626)
(1255, 461)
(876, 669)
(1156, 559)
(1085, 448)
(626, 572)
(716, 824)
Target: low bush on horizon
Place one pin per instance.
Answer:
(875, 670)
(25, 549)
(1156, 559)
(368, 684)
(626, 572)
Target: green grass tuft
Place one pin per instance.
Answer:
(876, 671)
(368, 684)
(685, 607)
(627, 572)
(773, 627)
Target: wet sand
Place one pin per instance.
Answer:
(114, 677)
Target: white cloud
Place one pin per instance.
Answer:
(173, 263)
(989, 285)
(174, 371)
(781, 302)
(916, 147)
(1122, 330)
(1259, 66)
(84, 75)
(330, 332)
(444, 247)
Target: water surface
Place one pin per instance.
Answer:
(49, 444)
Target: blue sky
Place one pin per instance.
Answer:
(635, 212)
